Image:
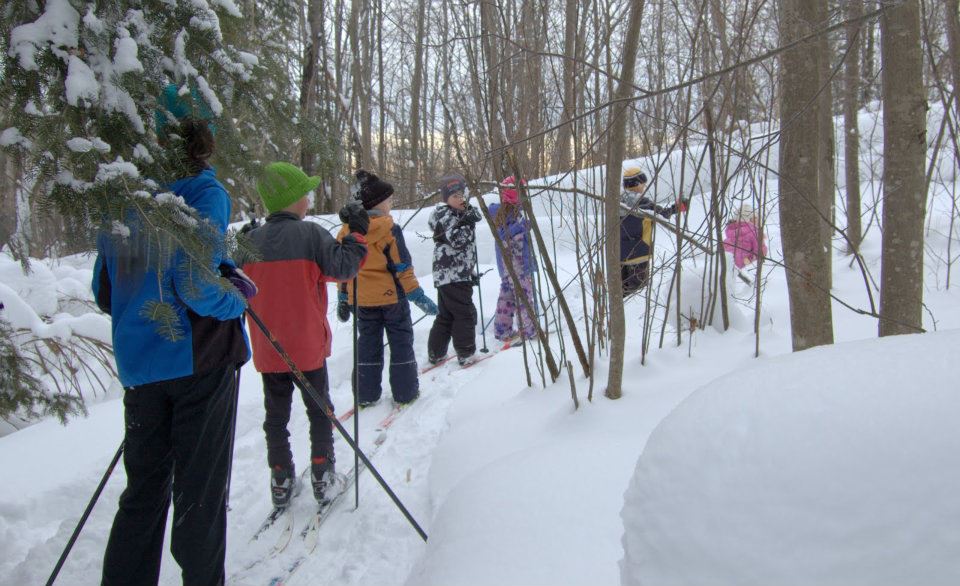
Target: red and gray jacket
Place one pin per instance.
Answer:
(297, 259)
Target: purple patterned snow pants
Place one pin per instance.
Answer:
(507, 307)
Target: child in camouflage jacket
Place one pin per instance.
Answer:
(454, 272)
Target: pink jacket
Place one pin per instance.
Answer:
(745, 242)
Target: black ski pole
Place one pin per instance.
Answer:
(356, 402)
(233, 435)
(476, 267)
(489, 321)
(329, 414)
(86, 513)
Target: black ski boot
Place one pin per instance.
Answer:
(322, 478)
(283, 482)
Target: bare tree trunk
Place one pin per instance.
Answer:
(491, 51)
(415, 88)
(869, 62)
(9, 179)
(340, 76)
(615, 153)
(561, 157)
(366, 111)
(807, 283)
(599, 47)
(712, 118)
(851, 141)
(716, 209)
(717, 46)
(360, 97)
(953, 45)
(308, 80)
(904, 150)
(445, 95)
(382, 132)
(826, 151)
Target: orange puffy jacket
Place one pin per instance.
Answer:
(388, 266)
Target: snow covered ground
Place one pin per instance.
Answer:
(511, 483)
(834, 466)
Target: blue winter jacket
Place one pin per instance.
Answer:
(515, 236)
(128, 276)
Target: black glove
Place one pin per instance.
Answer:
(472, 215)
(253, 223)
(355, 217)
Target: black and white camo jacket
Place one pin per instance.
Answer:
(454, 234)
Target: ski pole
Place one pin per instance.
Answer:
(329, 414)
(476, 266)
(489, 321)
(83, 518)
(233, 435)
(356, 401)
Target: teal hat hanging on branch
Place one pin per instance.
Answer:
(187, 105)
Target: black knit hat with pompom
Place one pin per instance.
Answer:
(370, 189)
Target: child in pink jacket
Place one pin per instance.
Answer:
(744, 240)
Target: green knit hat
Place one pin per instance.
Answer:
(283, 184)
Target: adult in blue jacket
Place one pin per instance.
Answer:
(180, 380)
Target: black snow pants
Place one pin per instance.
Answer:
(457, 319)
(177, 445)
(634, 277)
(278, 400)
(371, 323)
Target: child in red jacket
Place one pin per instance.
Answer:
(297, 260)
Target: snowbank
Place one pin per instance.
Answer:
(836, 465)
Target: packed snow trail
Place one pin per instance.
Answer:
(349, 538)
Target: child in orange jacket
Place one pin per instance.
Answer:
(385, 286)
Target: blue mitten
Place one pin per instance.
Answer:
(420, 299)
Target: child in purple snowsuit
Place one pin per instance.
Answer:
(513, 232)
(743, 238)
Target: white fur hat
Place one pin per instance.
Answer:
(745, 213)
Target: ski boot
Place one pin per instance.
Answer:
(283, 482)
(322, 477)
